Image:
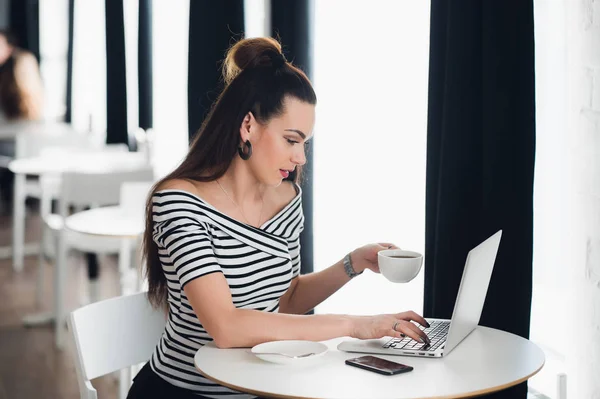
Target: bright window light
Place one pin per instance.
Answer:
(371, 78)
(170, 56)
(54, 41)
(89, 68)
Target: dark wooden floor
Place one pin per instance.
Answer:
(30, 366)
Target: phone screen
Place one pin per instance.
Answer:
(379, 365)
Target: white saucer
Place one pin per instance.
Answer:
(293, 348)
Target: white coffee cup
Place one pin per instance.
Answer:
(399, 266)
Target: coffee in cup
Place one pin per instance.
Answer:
(399, 266)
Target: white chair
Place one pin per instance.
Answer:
(36, 140)
(32, 139)
(81, 189)
(133, 202)
(112, 335)
(50, 187)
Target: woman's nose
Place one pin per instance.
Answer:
(299, 157)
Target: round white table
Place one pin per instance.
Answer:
(91, 161)
(111, 221)
(488, 360)
(114, 222)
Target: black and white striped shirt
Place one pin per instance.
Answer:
(195, 239)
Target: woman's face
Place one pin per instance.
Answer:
(278, 147)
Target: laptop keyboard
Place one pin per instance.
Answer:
(437, 333)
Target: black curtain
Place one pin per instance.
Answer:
(24, 23)
(480, 156)
(145, 63)
(69, 99)
(292, 24)
(116, 88)
(214, 27)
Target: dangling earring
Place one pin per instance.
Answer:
(245, 150)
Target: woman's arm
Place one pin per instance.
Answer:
(309, 290)
(230, 327)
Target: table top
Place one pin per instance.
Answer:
(92, 162)
(488, 360)
(112, 221)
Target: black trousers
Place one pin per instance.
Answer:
(148, 385)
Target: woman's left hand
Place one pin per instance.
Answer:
(366, 257)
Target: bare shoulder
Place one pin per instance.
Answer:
(177, 184)
(25, 60)
(26, 56)
(199, 189)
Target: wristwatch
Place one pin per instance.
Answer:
(348, 267)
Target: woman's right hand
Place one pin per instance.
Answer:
(379, 326)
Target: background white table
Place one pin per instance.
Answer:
(110, 221)
(113, 222)
(488, 360)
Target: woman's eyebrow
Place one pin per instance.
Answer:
(297, 131)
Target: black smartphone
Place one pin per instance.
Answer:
(379, 365)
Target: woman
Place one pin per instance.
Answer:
(21, 90)
(222, 242)
(21, 99)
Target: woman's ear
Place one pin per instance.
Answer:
(247, 127)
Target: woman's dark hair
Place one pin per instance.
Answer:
(257, 79)
(10, 37)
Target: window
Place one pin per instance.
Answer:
(550, 198)
(170, 21)
(54, 41)
(89, 68)
(371, 78)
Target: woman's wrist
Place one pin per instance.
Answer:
(350, 266)
(350, 325)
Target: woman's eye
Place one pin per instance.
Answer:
(292, 142)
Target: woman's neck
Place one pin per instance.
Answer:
(241, 184)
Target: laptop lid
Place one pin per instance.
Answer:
(473, 290)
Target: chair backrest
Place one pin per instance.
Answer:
(87, 188)
(145, 141)
(113, 334)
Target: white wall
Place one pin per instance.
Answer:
(566, 301)
(550, 254)
(583, 235)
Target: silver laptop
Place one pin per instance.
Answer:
(445, 335)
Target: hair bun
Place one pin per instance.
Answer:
(252, 53)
